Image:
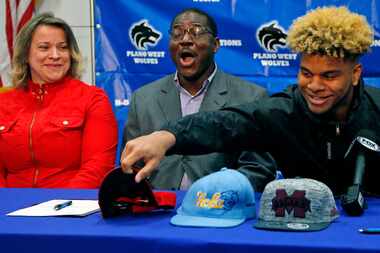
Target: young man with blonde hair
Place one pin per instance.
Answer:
(307, 128)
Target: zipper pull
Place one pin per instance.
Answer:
(337, 129)
(328, 149)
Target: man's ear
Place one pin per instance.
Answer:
(216, 44)
(356, 74)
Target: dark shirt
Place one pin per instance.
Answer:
(302, 143)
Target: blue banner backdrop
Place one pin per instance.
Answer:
(131, 41)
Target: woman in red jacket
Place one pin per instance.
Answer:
(55, 130)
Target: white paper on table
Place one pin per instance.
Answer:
(77, 208)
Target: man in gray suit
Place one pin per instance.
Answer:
(197, 85)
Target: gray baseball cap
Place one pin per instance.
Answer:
(299, 204)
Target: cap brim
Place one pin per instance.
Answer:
(196, 221)
(272, 225)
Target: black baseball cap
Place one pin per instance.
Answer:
(119, 193)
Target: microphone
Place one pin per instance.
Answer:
(353, 201)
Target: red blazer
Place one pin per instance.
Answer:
(61, 135)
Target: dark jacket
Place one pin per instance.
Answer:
(303, 144)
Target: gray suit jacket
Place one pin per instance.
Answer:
(158, 102)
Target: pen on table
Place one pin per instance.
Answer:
(370, 230)
(63, 205)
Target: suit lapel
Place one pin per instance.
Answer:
(216, 95)
(168, 100)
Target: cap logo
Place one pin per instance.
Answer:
(297, 203)
(225, 200)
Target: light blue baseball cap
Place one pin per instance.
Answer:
(222, 199)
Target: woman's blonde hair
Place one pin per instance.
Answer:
(20, 68)
(332, 31)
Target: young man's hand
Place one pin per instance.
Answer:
(150, 149)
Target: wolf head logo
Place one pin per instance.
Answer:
(271, 36)
(142, 34)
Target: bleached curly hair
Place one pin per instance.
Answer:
(332, 31)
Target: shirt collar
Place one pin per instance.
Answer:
(204, 85)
